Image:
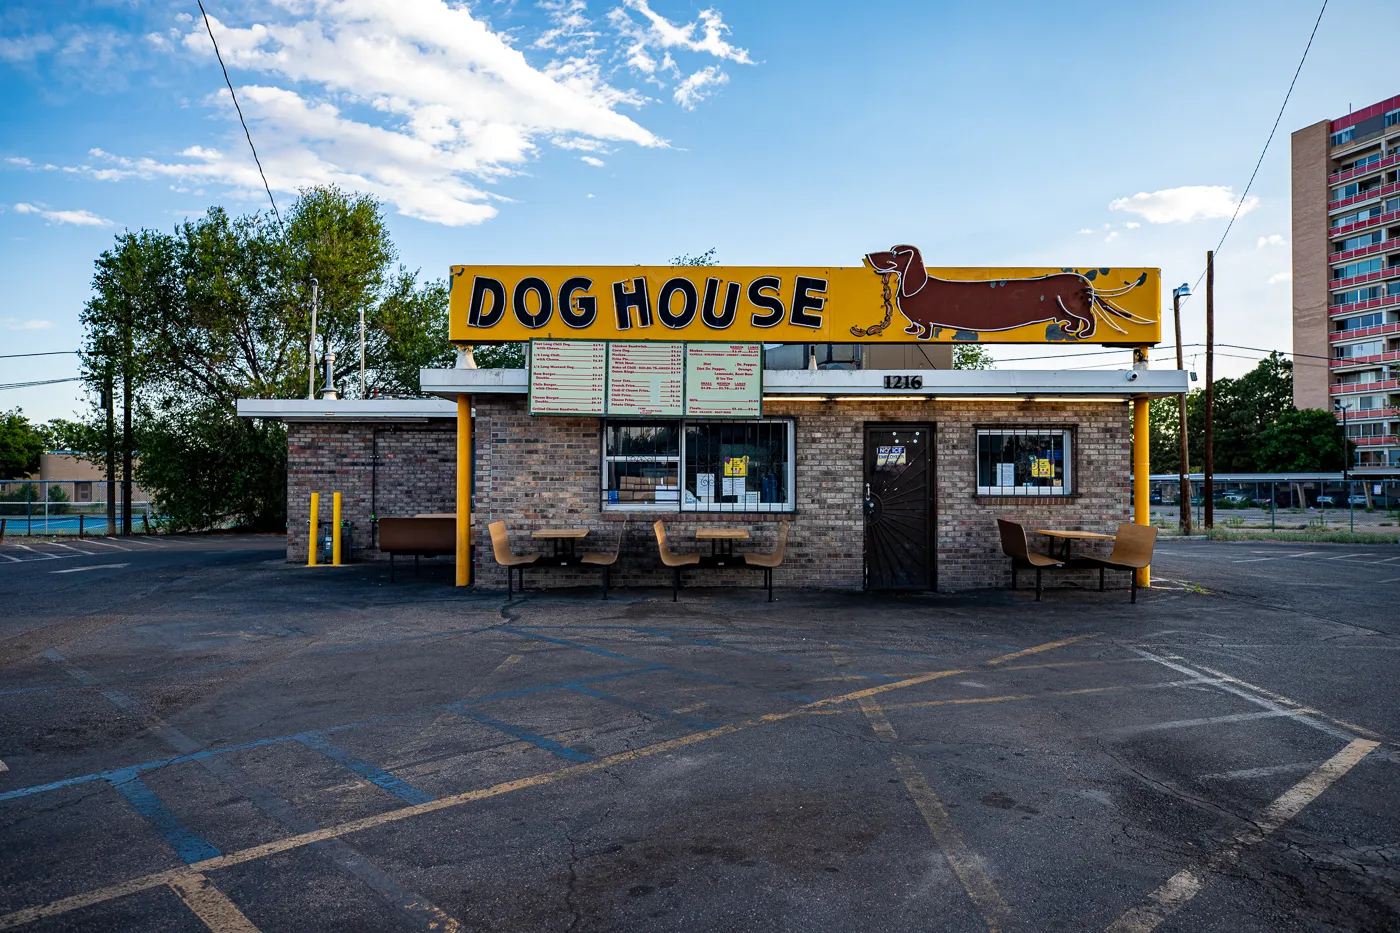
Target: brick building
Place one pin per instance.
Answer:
(823, 437)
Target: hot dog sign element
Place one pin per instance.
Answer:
(891, 298)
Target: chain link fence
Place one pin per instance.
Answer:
(69, 507)
(1283, 503)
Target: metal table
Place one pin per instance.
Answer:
(564, 540)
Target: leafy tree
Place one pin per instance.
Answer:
(21, 443)
(1307, 440)
(1244, 407)
(707, 258)
(972, 356)
(220, 310)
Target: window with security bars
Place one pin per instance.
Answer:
(1024, 461)
(699, 466)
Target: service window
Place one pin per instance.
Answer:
(1025, 461)
(699, 466)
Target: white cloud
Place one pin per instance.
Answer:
(698, 86)
(417, 102)
(24, 48)
(14, 323)
(1273, 239)
(1111, 237)
(1085, 230)
(1185, 204)
(589, 196)
(1132, 225)
(590, 160)
(19, 160)
(76, 218)
(1279, 277)
(654, 41)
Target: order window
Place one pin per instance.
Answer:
(698, 466)
(1024, 461)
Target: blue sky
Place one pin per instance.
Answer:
(627, 131)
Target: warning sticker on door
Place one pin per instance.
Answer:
(890, 456)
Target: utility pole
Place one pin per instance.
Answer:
(362, 352)
(1208, 490)
(311, 346)
(1184, 471)
(109, 404)
(126, 423)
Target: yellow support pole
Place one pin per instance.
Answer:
(1142, 514)
(335, 529)
(464, 490)
(311, 541)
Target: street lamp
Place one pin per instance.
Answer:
(1346, 463)
(1183, 474)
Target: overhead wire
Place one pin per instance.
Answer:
(15, 356)
(1240, 204)
(234, 95)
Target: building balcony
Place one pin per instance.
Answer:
(1386, 357)
(1385, 440)
(1349, 254)
(1349, 174)
(1386, 301)
(1363, 225)
(1369, 414)
(1379, 330)
(1379, 191)
(1338, 285)
(1346, 388)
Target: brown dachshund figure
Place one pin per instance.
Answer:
(1067, 299)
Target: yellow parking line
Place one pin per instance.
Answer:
(1181, 887)
(1050, 646)
(967, 866)
(121, 889)
(211, 905)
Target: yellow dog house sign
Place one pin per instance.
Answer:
(891, 298)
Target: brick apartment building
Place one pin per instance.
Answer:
(1346, 276)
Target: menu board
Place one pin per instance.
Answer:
(567, 377)
(646, 379)
(724, 380)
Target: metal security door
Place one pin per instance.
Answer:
(899, 552)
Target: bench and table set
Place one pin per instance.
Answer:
(1132, 551)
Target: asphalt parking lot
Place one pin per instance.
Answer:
(195, 735)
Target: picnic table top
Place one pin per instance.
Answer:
(722, 533)
(1077, 535)
(560, 533)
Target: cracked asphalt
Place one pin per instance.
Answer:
(196, 735)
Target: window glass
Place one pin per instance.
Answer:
(1344, 136)
(641, 462)
(1024, 461)
(1365, 267)
(699, 466)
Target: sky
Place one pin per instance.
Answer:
(630, 131)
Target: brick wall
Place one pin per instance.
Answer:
(537, 473)
(415, 471)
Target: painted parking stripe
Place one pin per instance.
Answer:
(1180, 888)
(4, 767)
(71, 548)
(91, 567)
(1348, 556)
(1245, 774)
(39, 555)
(210, 905)
(189, 845)
(643, 708)
(525, 735)
(376, 776)
(9, 558)
(105, 544)
(1205, 721)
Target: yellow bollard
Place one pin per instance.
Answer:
(315, 512)
(1142, 510)
(335, 529)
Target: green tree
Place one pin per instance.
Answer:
(21, 443)
(1245, 407)
(972, 356)
(1307, 440)
(220, 310)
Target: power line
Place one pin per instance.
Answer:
(15, 356)
(220, 57)
(41, 382)
(1262, 152)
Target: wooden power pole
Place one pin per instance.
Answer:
(126, 424)
(1184, 470)
(1208, 491)
(108, 403)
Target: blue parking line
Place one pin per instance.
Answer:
(133, 679)
(525, 735)
(189, 845)
(806, 662)
(643, 708)
(684, 672)
(543, 688)
(376, 776)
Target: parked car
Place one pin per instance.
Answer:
(1325, 500)
(1262, 501)
(1356, 500)
(1234, 498)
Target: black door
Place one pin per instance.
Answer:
(899, 507)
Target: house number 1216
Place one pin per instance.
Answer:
(904, 382)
